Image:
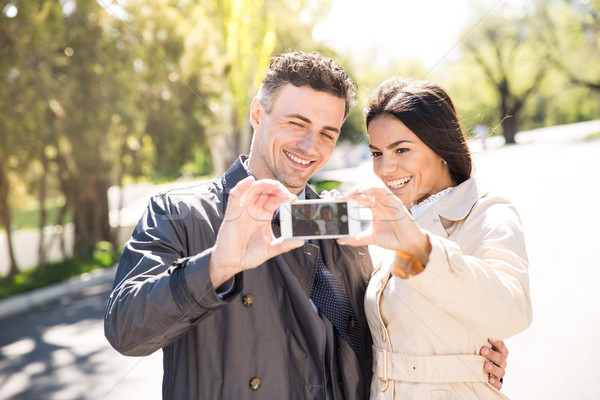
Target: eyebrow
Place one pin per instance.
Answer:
(391, 145)
(308, 121)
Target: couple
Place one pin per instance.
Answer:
(241, 313)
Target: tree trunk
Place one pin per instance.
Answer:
(509, 118)
(43, 214)
(509, 128)
(91, 216)
(5, 211)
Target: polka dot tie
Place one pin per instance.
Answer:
(331, 300)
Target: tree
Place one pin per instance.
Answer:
(571, 31)
(106, 91)
(504, 49)
(27, 54)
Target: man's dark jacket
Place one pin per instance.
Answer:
(263, 340)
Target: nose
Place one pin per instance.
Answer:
(308, 143)
(385, 165)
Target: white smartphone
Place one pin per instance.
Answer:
(319, 219)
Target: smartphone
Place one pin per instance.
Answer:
(319, 219)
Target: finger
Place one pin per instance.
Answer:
(361, 198)
(495, 372)
(268, 202)
(499, 345)
(235, 199)
(281, 245)
(266, 195)
(363, 239)
(495, 382)
(236, 194)
(327, 195)
(495, 356)
(380, 200)
(495, 364)
(242, 186)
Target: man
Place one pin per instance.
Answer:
(330, 226)
(303, 223)
(238, 312)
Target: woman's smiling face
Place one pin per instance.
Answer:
(407, 166)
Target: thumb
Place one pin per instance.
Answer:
(281, 245)
(360, 240)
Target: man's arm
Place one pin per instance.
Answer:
(160, 293)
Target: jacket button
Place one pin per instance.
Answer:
(255, 383)
(248, 300)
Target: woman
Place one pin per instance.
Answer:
(459, 271)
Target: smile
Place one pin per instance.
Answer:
(296, 158)
(398, 183)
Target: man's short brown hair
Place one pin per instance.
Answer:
(306, 69)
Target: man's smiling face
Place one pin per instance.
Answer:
(297, 138)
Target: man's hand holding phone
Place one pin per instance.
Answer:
(245, 239)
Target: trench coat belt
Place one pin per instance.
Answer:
(431, 369)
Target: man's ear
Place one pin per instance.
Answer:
(256, 113)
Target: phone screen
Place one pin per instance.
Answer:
(319, 219)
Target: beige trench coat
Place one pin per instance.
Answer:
(427, 330)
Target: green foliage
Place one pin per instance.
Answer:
(319, 186)
(571, 37)
(508, 50)
(32, 279)
(111, 92)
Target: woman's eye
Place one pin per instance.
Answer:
(375, 154)
(402, 150)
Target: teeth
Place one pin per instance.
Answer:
(298, 160)
(398, 183)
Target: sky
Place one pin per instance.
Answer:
(427, 30)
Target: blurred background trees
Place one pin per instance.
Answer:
(96, 93)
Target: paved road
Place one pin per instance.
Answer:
(59, 351)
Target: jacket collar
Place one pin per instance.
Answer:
(232, 176)
(454, 207)
(462, 199)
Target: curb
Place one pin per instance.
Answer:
(24, 302)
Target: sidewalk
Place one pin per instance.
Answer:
(27, 301)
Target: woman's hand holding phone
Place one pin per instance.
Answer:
(393, 226)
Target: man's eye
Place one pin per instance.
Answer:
(298, 124)
(327, 135)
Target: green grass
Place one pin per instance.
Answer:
(30, 219)
(593, 136)
(32, 279)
